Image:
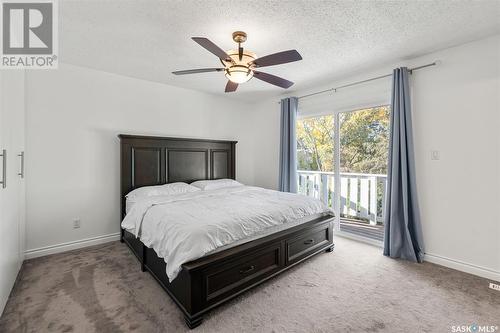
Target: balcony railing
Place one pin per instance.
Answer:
(361, 195)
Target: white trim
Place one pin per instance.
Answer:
(360, 107)
(360, 239)
(463, 266)
(63, 247)
(435, 259)
(336, 171)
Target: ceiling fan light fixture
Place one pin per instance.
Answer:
(238, 73)
(238, 70)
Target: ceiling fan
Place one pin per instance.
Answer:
(239, 65)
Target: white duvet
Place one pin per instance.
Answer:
(185, 227)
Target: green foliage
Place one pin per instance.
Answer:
(315, 143)
(364, 138)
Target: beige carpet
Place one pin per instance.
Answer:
(353, 289)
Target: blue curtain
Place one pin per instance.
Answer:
(403, 235)
(288, 145)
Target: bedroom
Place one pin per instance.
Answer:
(66, 173)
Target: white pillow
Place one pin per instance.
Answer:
(215, 184)
(167, 189)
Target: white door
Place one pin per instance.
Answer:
(12, 191)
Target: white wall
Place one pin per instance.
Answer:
(265, 118)
(74, 115)
(456, 110)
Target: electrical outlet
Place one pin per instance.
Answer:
(495, 286)
(76, 223)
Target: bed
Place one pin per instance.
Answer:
(199, 285)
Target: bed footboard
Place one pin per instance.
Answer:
(214, 279)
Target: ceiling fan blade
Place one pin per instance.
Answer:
(200, 70)
(273, 79)
(231, 86)
(211, 47)
(277, 58)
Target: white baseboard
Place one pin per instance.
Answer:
(463, 266)
(63, 247)
(358, 238)
(436, 259)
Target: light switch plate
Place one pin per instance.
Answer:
(435, 155)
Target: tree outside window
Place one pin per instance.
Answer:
(364, 139)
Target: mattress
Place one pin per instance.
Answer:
(185, 227)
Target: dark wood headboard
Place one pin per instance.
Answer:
(151, 160)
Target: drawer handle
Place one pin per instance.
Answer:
(309, 241)
(247, 270)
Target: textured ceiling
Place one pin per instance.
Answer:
(150, 39)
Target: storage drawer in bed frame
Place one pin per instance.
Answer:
(212, 280)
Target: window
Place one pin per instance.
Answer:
(342, 160)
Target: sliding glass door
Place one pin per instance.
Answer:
(316, 158)
(364, 143)
(342, 160)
